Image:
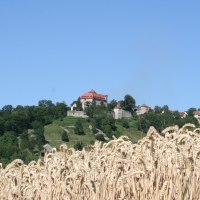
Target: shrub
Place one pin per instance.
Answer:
(79, 128)
(125, 123)
(65, 137)
(100, 137)
(117, 134)
(78, 146)
(91, 142)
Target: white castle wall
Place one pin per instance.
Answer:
(76, 114)
(120, 113)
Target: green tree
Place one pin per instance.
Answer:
(39, 132)
(8, 145)
(7, 109)
(188, 119)
(25, 155)
(61, 110)
(15, 122)
(78, 146)
(2, 125)
(24, 141)
(190, 111)
(106, 122)
(167, 118)
(64, 136)
(128, 103)
(112, 104)
(9, 138)
(78, 105)
(158, 109)
(37, 125)
(46, 103)
(125, 123)
(147, 120)
(108, 130)
(100, 137)
(79, 128)
(165, 108)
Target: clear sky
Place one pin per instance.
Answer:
(58, 50)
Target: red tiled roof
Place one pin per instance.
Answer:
(197, 113)
(182, 114)
(92, 94)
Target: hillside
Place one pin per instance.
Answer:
(24, 130)
(53, 132)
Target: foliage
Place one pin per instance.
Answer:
(190, 111)
(128, 103)
(64, 136)
(60, 110)
(22, 128)
(162, 118)
(79, 128)
(78, 104)
(100, 137)
(125, 123)
(15, 123)
(24, 141)
(92, 142)
(78, 146)
(112, 105)
(101, 118)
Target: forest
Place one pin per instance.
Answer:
(22, 129)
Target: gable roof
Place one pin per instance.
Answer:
(197, 112)
(93, 95)
(182, 114)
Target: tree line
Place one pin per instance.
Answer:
(22, 129)
(163, 117)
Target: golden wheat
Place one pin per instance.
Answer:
(156, 168)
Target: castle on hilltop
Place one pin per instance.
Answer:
(92, 97)
(89, 98)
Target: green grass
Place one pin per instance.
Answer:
(132, 132)
(53, 132)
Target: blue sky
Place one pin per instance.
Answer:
(58, 50)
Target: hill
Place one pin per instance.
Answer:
(54, 130)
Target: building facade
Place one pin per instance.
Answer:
(142, 109)
(90, 98)
(119, 113)
(197, 114)
(183, 114)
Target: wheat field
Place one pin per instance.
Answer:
(159, 167)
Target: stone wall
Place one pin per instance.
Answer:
(76, 114)
(120, 113)
(117, 114)
(126, 114)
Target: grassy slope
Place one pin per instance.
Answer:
(54, 130)
(132, 132)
